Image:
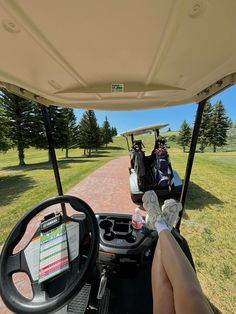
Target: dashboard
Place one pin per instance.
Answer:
(120, 243)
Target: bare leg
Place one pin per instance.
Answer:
(163, 298)
(188, 296)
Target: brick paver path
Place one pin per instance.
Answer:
(105, 190)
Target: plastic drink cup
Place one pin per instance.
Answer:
(137, 220)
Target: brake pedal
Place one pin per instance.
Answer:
(79, 303)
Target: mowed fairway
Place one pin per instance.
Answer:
(211, 204)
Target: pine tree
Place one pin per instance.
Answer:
(5, 142)
(106, 132)
(88, 132)
(39, 136)
(18, 113)
(63, 128)
(219, 126)
(205, 131)
(184, 135)
(70, 130)
(113, 131)
(231, 124)
(59, 126)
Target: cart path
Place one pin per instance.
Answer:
(105, 190)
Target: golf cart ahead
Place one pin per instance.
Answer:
(152, 172)
(109, 55)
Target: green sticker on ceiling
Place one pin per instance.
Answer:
(117, 88)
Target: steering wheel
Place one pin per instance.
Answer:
(71, 281)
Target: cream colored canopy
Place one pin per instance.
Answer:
(117, 55)
(145, 129)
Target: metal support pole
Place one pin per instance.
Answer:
(157, 133)
(132, 138)
(52, 153)
(127, 141)
(191, 158)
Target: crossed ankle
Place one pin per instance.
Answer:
(161, 225)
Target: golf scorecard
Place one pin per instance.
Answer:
(54, 252)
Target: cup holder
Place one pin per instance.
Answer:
(109, 236)
(117, 229)
(105, 224)
(130, 238)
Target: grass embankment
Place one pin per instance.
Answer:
(211, 204)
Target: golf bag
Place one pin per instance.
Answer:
(161, 168)
(147, 181)
(143, 168)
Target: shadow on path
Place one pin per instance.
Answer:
(12, 186)
(197, 197)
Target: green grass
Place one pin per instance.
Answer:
(210, 206)
(211, 224)
(23, 187)
(169, 133)
(210, 230)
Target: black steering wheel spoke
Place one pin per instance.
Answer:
(14, 264)
(17, 263)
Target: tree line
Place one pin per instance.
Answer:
(90, 136)
(22, 126)
(213, 130)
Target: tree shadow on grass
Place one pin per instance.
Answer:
(99, 154)
(62, 163)
(197, 197)
(111, 148)
(94, 154)
(102, 152)
(12, 186)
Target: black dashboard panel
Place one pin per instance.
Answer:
(120, 243)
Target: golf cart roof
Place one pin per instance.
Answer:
(145, 129)
(117, 55)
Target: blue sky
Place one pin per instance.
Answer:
(125, 120)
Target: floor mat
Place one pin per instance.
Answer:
(131, 293)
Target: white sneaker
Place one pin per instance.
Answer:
(170, 211)
(151, 205)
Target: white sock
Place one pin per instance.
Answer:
(161, 225)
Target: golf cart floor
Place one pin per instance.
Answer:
(130, 290)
